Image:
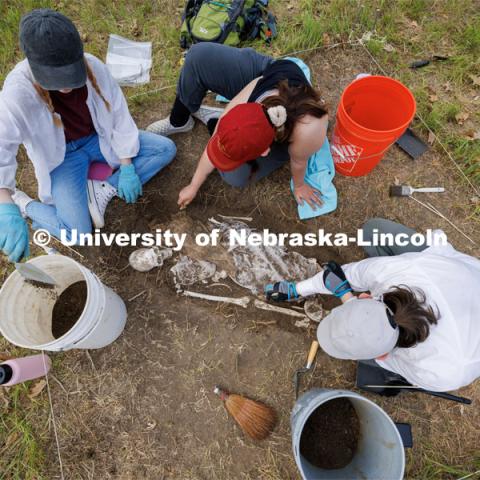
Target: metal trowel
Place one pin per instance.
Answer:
(308, 367)
(33, 274)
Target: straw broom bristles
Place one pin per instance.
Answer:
(256, 419)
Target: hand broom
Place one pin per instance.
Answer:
(256, 419)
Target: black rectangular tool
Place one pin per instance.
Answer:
(411, 144)
(405, 431)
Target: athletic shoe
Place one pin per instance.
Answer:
(99, 195)
(206, 113)
(21, 200)
(165, 128)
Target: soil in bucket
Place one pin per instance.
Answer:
(68, 308)
(330, 436)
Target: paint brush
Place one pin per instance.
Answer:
(407, 190)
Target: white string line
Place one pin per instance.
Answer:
(160, 89)
(434, 210)
(356, 42)
(469, 475)
(424, 123)
(53, 418)
(325, 47)
(151, 91)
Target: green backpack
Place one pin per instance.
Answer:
(226, 21)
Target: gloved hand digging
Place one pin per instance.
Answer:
(335, 280)
(281, 291)
(129, 184)
(13, 233)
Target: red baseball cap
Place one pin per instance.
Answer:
(243, 134)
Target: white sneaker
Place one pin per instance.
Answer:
(99, 194)
(165, 128)
(21, 200)
(206, 113)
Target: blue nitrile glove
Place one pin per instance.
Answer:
(281, 291)
(129, 184)
(13, 233)
(335, 280)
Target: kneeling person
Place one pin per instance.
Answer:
(419, 318)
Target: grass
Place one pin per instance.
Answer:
(416, 29)
(434, 469)
(17, 428)
(22, 432)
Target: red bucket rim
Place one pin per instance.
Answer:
(391, 80)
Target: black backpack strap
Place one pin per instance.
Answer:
(234, 11)
(259, 22)
(191, 10)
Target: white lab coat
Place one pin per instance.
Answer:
(25, 119)
(450, 357)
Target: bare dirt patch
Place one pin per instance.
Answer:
(143, 408)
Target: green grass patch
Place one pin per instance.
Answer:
(22, 453)
(441, 113)
(434, 469)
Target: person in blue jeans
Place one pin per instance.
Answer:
(69, 182)
(67, 110)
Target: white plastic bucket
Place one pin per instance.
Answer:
(380, 452)
(26, 310)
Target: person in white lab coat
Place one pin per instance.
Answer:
(64, 106)
(418, 314)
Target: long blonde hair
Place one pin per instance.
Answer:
(45, 95)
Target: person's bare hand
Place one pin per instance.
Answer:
(305, 193)
(186, 196)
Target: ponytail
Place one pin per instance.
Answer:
(290, 105)
(411, 313)
(45, 95)
(93, 81)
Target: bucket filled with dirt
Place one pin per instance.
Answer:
(342, 435)
(79, 312)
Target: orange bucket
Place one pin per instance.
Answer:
(374, 112)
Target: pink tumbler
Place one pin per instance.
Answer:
(18, 370)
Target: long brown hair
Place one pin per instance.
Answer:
(45, 95)
(298, 101)
(411, 313)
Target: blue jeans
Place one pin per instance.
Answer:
(69, 181)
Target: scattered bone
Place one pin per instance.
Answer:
(305, 323)
(245, 219)
(219, 285)
(300, 309)
(214, 254)
(274, 308)
(250, 267)
(188, 271)
(241, 302)
(257, 265)
(220, 275)
(145, 259)
(314, 309)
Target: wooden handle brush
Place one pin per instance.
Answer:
(256, 419)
